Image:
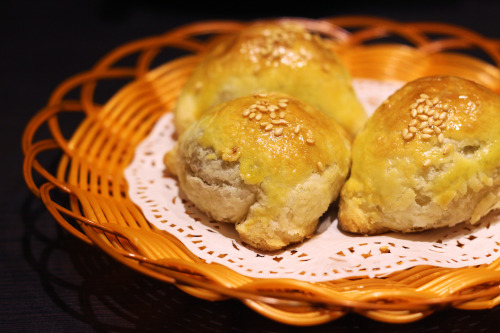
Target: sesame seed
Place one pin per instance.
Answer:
(310, 141)
(413, 113)
(427, 130)
(405, 132)
(423, 124)
(284, 100)
(282, 105)
(258, 116)
(435, 100)
(420, 100)
(438, 122)
(278, 131)
(264, 124)
(413, 122)
(272, 115)
(275, 122)
(269, 127)
(272, 108)
(437, 129)
(447, 149)
(420, 109)
(446, 107)
(443, 116)
(413, 106)
(297, 129)
(262, 95)
(430, 112)
(425, 136)
(282, 114)
(321, 167)
(262, 108)
(423, 117)
(251, 115)
(246, 112)
(412, 129)
(427, 162)
(424, 96)
(408, 136)
(441, 138)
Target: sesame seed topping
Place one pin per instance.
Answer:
(282, 114)
(427, 162)
(264, 124)
(278, 131)
(272, 115)
(258, 116)
(427, 118)
(282, 105)
(251, 115)
(296, 130)
(269, 127)
(321, 167)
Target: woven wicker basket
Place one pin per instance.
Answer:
(87, 193)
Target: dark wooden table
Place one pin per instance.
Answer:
(52, 282)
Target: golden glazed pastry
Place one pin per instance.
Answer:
(271, 56)
(269, 163)
(428, 157)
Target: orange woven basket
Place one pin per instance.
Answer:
(87, 192)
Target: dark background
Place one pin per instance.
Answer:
(52, 282)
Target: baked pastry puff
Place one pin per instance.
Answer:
(266, 56)
(269, 163)
(428, 157)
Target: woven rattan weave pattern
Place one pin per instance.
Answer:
(87, 193)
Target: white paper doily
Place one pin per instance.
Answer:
(329, 254)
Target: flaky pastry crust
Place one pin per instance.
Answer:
(269, 163)
(428, 157)
(271, 56)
